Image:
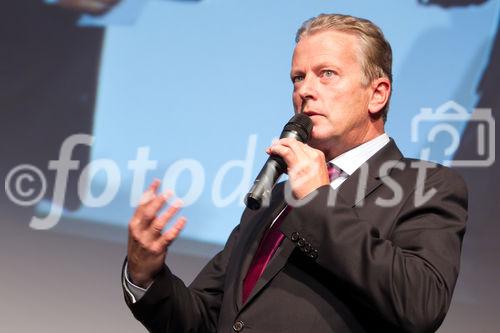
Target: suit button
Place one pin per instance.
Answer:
(313, 254)
(301, 242)
(238, 326)
(295, 236)
(307, 248)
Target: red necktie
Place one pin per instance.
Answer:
(269, 244)
(333, 172)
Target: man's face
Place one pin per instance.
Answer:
(327, 78)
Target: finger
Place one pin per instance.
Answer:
(297, 147)
(282, 151)
(147, 197)
(136, 219)
(159, 223)
(171, 234)
(273, 142)
(149, 194)
(304, 152)
(287, 153)
(150, 211)
(294, 145)
(150, 205)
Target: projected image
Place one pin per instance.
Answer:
(192, 92)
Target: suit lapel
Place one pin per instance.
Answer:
(369, 176)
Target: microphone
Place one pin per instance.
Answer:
(299, 128)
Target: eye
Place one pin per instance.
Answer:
(297, 78)
(328, 73)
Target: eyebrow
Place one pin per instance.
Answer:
(315, 67)
(326, 64)
(295, 73)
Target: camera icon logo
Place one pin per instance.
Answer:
(448, 120)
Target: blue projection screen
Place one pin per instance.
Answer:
(193, 92)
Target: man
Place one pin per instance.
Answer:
(376, 248)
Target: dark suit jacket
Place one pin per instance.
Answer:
(353, 267)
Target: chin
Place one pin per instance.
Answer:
(319, 142)
(322, 134)
(322, 140)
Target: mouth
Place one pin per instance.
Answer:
(312, 113)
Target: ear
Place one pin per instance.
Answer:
(380, 92)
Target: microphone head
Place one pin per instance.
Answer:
(301, 124)
(298, 127)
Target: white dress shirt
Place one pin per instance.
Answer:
(352, 159)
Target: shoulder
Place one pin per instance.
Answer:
(429, 172)
(424, 181)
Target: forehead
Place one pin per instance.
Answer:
(334, 46)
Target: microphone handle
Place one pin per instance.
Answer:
(264, 183)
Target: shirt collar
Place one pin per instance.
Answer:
(352, 159)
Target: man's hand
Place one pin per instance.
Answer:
(306, 166)
(147, 245)
(94, 7)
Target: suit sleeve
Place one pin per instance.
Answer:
(408, 278)
(170, 306)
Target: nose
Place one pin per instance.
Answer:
(306, 90)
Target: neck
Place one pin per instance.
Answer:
(341, 146)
